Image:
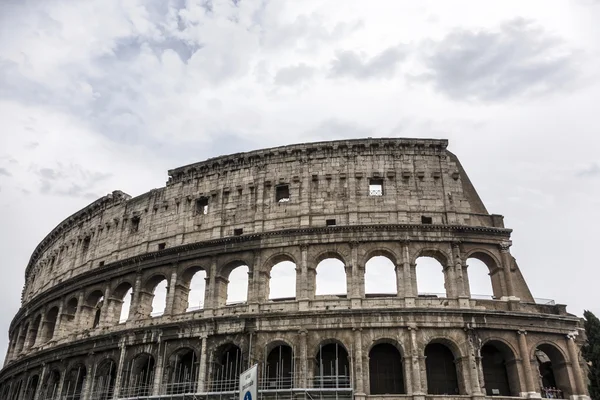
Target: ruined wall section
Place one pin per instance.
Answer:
(328, 182)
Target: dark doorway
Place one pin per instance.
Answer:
(229, 364)
(183, 372)
(386, 375)
(279, 368)
(495, 373)
(138, 377)
(441, 370)
(333, 367)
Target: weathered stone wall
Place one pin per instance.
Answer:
(118, 243)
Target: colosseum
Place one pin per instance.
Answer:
(133, 298)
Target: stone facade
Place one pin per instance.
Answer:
(347, 200)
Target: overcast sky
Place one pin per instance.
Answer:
(109, 94)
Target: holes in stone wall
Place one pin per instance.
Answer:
(282, 193)
(202, 206)
(426, 220)
(375, 187)
(135, 224)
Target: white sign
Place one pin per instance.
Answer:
(249, 384)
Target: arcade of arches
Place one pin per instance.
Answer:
(387, 369)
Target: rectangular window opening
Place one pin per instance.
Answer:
(86, 244)
(426, 220)
(135, 224)
(330, 222)
(202, 206)
(101, 264)
(282, 193)
(162, 246)
(375, 187)
(238, 231)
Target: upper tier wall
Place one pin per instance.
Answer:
(326, 181)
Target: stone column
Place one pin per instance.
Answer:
(507, 267)
(170, 303)
(574, 358)
(356, 283)
(57, 325)
(88, 384)
(407, 279)
(358, 363)
(303, 367)
(450, 284)
(61, 384)
(209, 293)
(459, 276)
(524, 350)
(77, 321)
(158, 370)
(414, 358)
(472, 365)
(40, 385)
(202, 367)
(466, 283)
(119, 378)
(39, 340)
(135, 298)
(302, 275)
(399, 270)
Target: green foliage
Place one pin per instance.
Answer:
(591, 352)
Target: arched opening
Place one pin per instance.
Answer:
(500, 373)
(386, 375)
(93, 310)
(159, 298)
(22, 334)
(32, 386)
(228, 365)
(69, 311)
(104, 380)
(332, 369)
(331, 278)
(50, 390)
(553, 374)
(182, 372)
(430, 277)
(74, 382)
(441, 370)
(380, 276)
(237, 288)
(35, 327)
(282, 285)
(51, 317)
(280, 368)
(480, 282)
(122, 302)
(197, 291)
(138, 377)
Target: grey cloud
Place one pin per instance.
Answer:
(349, 63)
(517, 59)
(49, 174)
(592, 171)
(78, 182)
(5, 172)
(292, 75)
(332, 129)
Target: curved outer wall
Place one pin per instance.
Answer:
(216, 215)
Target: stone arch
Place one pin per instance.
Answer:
(279, 365)
(429, 277)
(381, 252)
(93, 309)
(51, 319)
(238, 283)
(31, 389)
(228, 363)
(181, 371)
(190, 292)
(51, 385)
(439, 255)
(553, 366)
(386, 367)
(154, 301)
(330, 274)
(494, 270)
(104, 379)
(282, 271)
(138, 376)
(380, 275)
(441, 355)
(35, 331)
(74, 382)
(332, 365)
(499, 365)
(120, 303)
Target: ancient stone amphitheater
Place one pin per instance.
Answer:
(91, 327)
